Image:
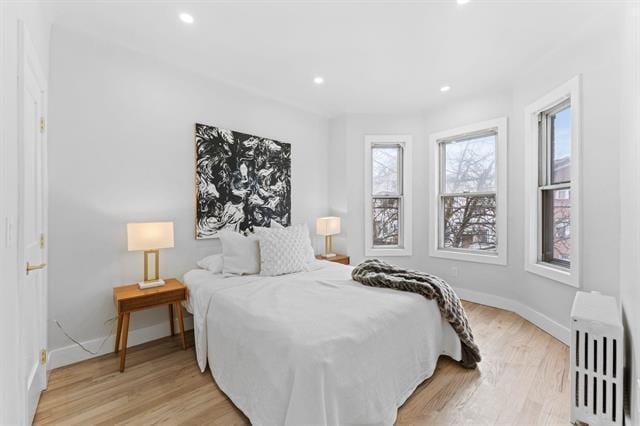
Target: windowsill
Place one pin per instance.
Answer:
(387, 252)
(553, 272)
(468, 256)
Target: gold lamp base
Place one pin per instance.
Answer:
(328, 247)
(156, 281)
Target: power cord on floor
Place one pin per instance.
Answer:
(83, 347)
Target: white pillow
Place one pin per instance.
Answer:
(261, 230)
(212, 263)
(241, 255)
(284, 251)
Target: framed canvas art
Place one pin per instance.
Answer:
(242, 181)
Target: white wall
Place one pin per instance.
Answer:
(338, 180)
(121, 149)
(36, 20)
(630, 205)
(347, 163)
(542, 300)
(595, 57)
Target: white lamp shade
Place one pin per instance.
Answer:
(328, 225)
(149, 236)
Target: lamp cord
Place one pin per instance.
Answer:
(83, 347)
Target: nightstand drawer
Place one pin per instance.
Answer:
(153, 299)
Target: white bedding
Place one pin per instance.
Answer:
(315, 347)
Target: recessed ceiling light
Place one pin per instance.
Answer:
(186, 18)
(463, 1)
(318, 80)
(445, 88)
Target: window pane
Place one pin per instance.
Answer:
(561, 146)
(470, 165)
(385, 169)
(470, 223)
(556, 226)
(386, 222)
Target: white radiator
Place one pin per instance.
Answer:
(596, 360)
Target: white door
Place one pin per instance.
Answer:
(32, 226)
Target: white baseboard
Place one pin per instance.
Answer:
(73, 353)
(549, 325)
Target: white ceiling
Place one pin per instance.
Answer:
(375, 56)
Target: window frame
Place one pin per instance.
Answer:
(404, 247)
(436, 195)
(537, 164)
(546, 182)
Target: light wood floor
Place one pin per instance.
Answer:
(523, 379)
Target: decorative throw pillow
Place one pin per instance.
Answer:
(213, 263)
(284, 251)
(241, 255)
(261, 230)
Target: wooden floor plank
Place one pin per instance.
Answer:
(523, 379)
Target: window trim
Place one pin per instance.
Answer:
(499, 257)
(533, 218)
(406, 209)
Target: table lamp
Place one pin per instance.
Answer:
(328, 226)
(150, 237)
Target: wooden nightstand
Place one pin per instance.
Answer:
(130, 298)
(338, 258)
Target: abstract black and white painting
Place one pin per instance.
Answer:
(242, 181)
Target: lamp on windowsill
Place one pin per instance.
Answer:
(150, 237)
(327, 227)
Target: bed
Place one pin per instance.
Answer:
(315, 347)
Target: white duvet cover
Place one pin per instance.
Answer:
(315, 348)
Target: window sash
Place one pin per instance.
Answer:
(442, 158)
(400, 170)
(545, 141)
(547, 228)
(400, 244)
(441, 222)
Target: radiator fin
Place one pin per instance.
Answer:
(595, 395)
(604, 355)
(615, 356)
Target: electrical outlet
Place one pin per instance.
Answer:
(454, 271)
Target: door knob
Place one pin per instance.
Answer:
(35, 267)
